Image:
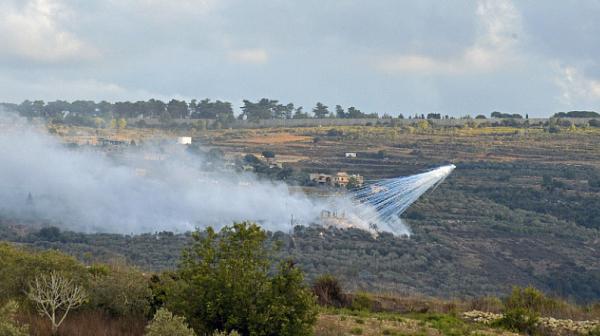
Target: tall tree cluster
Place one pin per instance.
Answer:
(83, 112)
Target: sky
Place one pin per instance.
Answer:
(454, 57)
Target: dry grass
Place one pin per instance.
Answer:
(96, 323)
(332, 324)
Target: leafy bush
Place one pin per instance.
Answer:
(518, 320)
(328, 291)
(8, 326)
(356, 331)
(532, 300)
(124, 291)
(164, 323)
(224, 333)
(362, 302)
(227, 285)
(268, 154)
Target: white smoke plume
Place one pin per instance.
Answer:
(43, 181)
(87, 192)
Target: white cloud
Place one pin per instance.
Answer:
(53, 88)
(495, 47)
(33, 31)
(248, 56)
(576, 87)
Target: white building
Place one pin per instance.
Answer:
(184, 140)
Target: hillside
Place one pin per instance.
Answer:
(519, 209)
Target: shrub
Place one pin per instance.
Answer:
(328, 291)
(224, 333)
(518, 320)
(356, 331)
(164, 323)
(124, 291)
(227, 285)
(268, 154)
(8, 326)
(532, 300)
(362, 302)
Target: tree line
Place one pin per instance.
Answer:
(177, 109)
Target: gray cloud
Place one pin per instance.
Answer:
(382, 56)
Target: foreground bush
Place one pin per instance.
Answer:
(329, 292)
(121, 290)
(226, 285)
(164, 323)
(8, 326)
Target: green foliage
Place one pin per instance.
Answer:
(99, 270)
(124, 291)
(51, 233)
(356, 331)
(252, 159)
(8, 325)
(224, 333)
(268, 154)
(226, 285)
(329, 292)
(531, 300)
(518, 320)
(522, 309)
(19, 267)
(363, 302)
(164, 323)
(447, 325)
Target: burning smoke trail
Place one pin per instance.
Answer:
(384, 201)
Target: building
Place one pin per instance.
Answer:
(353, 155)
(184, 140)
(340, 179)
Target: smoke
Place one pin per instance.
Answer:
(90, 193)
(384, 201)
(43, 181)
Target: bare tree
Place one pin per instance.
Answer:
(55, 293)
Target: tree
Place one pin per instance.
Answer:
(251, 159)
(320, 111)
(264, 109)
(55, 293)
(300, 114)
(226, 285)
(121, 290)
(156, 108)
(353, 183)
(18, 267)
(339, 111)
(268, 154)
(8, 326)
(165, 118)
(164, 323)
(178, 109)
(354, 113)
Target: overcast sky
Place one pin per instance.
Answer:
(453, 57)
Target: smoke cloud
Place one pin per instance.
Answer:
(90, 193)
(44, 181)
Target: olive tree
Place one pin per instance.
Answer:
(226, 285)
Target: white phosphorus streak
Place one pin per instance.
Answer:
(382, 202)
